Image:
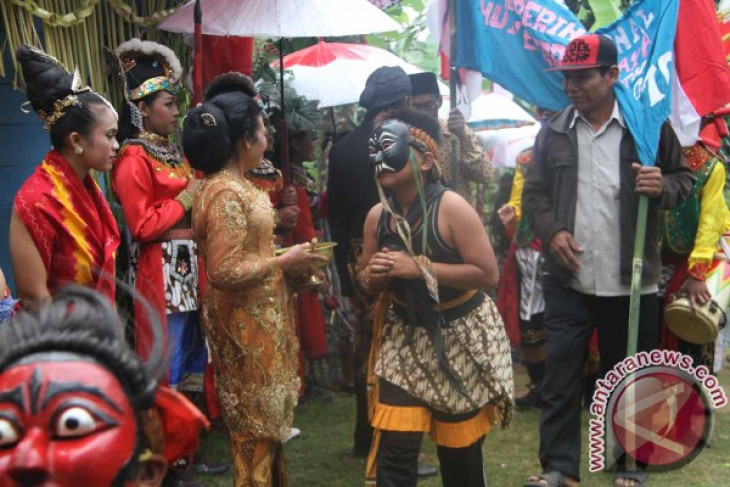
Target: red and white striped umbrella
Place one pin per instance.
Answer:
(335, 73)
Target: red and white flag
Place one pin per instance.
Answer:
(702, 84)
(469, 86)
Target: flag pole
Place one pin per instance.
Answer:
(453, 74)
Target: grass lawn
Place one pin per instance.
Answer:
(321, 456)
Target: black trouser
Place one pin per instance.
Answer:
(397, 459)
(569, 320)
(363, 435)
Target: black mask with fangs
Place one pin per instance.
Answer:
(390, 147)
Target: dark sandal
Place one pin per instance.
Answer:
(547, 479)
(639, 477)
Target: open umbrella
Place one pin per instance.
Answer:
(504, 145)
(282, 18)
(492, 111)
(335, 73)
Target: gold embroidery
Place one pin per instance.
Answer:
(248, 309)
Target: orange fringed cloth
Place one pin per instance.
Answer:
(71, 225)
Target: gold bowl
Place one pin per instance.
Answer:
(322, 248)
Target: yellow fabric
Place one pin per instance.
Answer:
(401, 418)
(464, 433)
(450, 435)
(515, 196)
(714, 219)
(83, 258)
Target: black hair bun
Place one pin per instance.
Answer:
(230, 83)
(205, 138)
(46, 79)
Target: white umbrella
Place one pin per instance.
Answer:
(504, 145)
(282, 18)
(335, 73)
(279, 18)
(493, 111)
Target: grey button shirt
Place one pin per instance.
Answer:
(597, 220)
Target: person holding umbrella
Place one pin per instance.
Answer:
(472, 163)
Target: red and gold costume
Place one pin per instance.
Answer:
(266, 177)
(249, 324)
(71, 225)
(164, 264)
(692, 230)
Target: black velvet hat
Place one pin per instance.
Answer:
(385, 86)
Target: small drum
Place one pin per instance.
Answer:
(702, 325)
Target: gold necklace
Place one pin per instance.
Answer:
(158, 147)
(153, 137)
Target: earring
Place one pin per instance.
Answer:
(78, 150)
(136, 116)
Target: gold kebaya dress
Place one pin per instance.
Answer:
(248, 316)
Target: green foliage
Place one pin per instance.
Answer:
(301, 114)
(604, 12)
(597, 13)
(412, 41)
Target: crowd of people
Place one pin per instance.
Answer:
(221, 248)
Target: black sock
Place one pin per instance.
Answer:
(536, 372)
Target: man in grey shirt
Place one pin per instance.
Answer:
(581, 197)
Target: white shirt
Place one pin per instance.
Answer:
(598, 207)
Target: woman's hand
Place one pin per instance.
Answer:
(298, 259)
(378, 269)
(404, 266)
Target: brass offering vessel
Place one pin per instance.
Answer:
(323, 248)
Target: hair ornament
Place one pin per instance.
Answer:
(208, 119)
(59, 108)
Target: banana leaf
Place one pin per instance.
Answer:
(604, 12)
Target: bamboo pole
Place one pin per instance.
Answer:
(634, 313)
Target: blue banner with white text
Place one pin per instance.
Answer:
(513, 42)
(644, 36)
